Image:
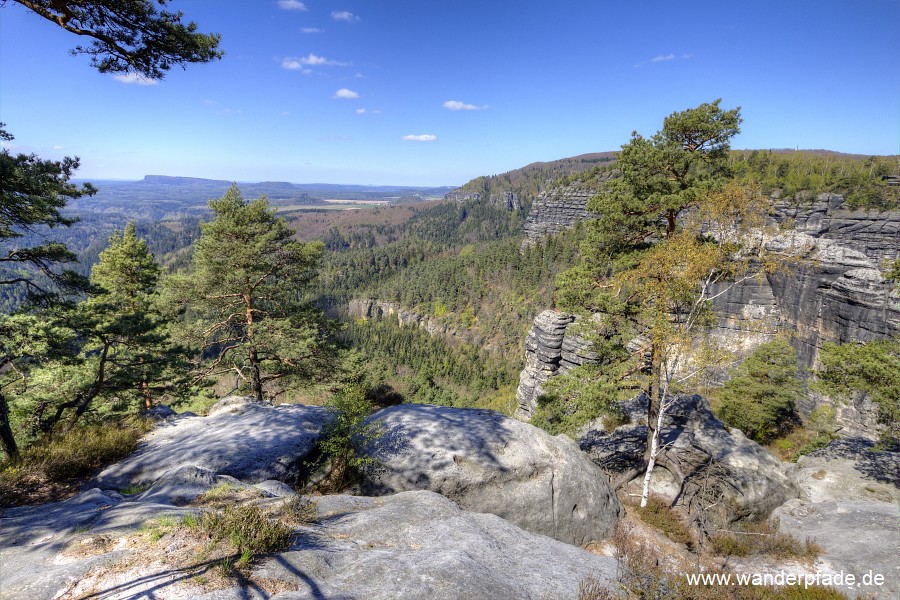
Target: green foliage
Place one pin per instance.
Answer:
(873, 369)
(130, 36)
(33, 193)
(760, 397)
(246, 528)
(860, 181)
(346, 436)
(245, 299)
(663, 175)
(585, 393)
(428, 369)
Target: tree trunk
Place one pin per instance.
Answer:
(255, 376)
(653, 398)
(6, 435)
(653, 448)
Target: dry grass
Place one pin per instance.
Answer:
(762, 539)
(52, 468)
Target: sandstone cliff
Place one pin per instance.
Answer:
(557, 209)
(834, 292)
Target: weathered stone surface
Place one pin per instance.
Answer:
(243, 439)
(849, 470)
(855, 536)
(557, 209)
(420, 545)
(755, 481)
(490, 463)
(411, 545)
(549, 351)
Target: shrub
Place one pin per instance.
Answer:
(345, 437)
(247, 529)
(759, 399)
(658, 514)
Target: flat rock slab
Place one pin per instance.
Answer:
(417, 545)
(850, 469)
(856, 537)
(490, 463)
(249, 441)
(411, 545)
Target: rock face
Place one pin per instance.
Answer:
(507, 200)
(549, 351)
(557, 209)
(833, 291)
(493, 464)
(754, 481)
(249, 441)
(370, 308)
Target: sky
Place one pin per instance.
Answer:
(420, 92)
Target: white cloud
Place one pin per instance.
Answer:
(377, 111)
(360, 111)
(427, 137)
(457, 105)
(313, 60)
(311, 30)
(58, 147)
(344, 15)
(662, 58)
(134, 78)
(345, 94)
(291, 5)
(285, 113)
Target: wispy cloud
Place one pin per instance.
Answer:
(661, 58)
(426, 137)
(365, 111)
(311, 30)
(344, 15)
(457, 105)
(291, 5)
(58, 147)
(135, 79)
(311, 60)
(345, 94)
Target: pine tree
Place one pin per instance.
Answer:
(245, 297)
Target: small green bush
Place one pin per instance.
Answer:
(345, 437)
(761, 539)
(246, 528)
(760, 397)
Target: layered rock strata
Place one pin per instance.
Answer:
(549, 350)
(557, 209)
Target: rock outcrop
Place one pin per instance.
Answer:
(750, 478)
(493, 464)
(557, 209)
(370, 308)
(549, 351)
(249, 441)
(833, 290)
(410, 545)
(848, 506)
(507, 200)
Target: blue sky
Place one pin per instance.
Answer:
(436, 93)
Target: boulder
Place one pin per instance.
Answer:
(748, 476)
(493, 464)
(849, 470)
(247, 440)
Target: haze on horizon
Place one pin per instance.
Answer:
(411, 93)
